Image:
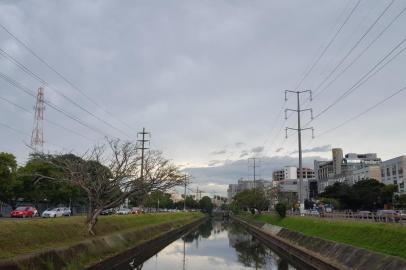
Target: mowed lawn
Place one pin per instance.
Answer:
(386, 238)
(31, 235)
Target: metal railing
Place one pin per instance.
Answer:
(355, 216)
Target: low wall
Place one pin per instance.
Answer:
(318, 253)
(95, 248)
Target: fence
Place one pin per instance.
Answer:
(5, 209)
(355, 216)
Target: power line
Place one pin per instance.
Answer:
(45, 119)
(50, 104)
(45, 83)
(361, 53)
(328, 45)
(363, 112)
(355, 45)
(374, 70)
(69, 82)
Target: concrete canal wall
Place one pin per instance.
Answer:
(316, 253)
(112, 248)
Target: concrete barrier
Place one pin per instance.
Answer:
(319, 253)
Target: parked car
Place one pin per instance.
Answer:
(57, 212)
(107, 212)
(402, 214)
(23, 211)
(123, 211)
(136, 211)
(388, 215)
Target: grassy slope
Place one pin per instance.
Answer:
(385, 238)
(27, 236)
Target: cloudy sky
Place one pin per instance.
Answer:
(206, 78)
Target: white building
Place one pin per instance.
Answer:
(392, 172)
(291, 172)
(242, 185)
(370, 172)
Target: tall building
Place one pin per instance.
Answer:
(348, 169)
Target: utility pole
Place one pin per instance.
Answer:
(184, 200)
(299, 130)
(143, 140)
(254, 166)
(37, 136)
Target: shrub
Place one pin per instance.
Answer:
(281, 209)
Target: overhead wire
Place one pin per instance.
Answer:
(59, 74)
(45, 83)
(307, 73)
(50, 104)
(364, 111)
(355, 45)
(361, 53)
(372, 72)
(45, 119)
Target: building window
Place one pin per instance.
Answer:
(394, 170)
(387, 172)
(383, 173)
(400, 171)
(395, 182)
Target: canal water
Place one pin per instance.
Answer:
(214, 245)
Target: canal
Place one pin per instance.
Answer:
(216, 245)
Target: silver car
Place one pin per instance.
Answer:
(56, 212)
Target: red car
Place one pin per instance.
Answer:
(23, 211)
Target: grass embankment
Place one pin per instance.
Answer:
(386, 238)
(29, 236)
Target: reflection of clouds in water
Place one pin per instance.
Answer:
(225, 247)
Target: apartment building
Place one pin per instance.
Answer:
(391, 172)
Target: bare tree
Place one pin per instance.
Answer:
(111, 173)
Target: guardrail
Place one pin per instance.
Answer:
(356, 216)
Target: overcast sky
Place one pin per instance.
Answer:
(206, 78)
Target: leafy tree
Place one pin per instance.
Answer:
(308, 204)
(387, 193)
(38, 180)
(206, 205)
(165, 201)
(367, 194)
(10, 186)
(251, 199)
(281, 209)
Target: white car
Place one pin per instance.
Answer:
(123, 211)
(57, 212)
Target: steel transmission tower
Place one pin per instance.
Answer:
(299, 130)
(37, 136)
(142, 141)
(254, 166)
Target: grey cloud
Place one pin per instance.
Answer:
(317, 149)
(215, 162)
(279, 149)
(244, 153)
(219, 152)
(257, 150)
(239, 144)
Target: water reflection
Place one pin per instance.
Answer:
(215, 245)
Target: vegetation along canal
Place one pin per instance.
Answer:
(215, 244)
